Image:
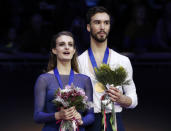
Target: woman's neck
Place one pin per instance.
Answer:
(64, 68)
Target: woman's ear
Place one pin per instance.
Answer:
(54, 51)
(74, 50)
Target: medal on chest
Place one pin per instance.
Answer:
(98, 86)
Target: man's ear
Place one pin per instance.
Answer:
(88, 27)
(54, 51)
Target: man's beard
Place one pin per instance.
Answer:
(101, 39)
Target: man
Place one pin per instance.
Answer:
(98, 19)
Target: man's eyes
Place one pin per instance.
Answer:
(99, 22)
(107, 22)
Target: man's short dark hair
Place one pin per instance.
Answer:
(94, 10)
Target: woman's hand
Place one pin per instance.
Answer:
(69, 114)
(66, 114)
(78, 118)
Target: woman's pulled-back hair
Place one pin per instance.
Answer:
(53, 59)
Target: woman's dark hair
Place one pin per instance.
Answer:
(53, 59)
(94, 10)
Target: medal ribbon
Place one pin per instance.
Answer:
(92, 59)
(71, 77)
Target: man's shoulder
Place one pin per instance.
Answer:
(118, 55)
(83, 55)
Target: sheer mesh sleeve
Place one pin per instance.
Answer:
(40, 116)
(89, 117)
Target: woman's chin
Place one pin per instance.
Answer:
(66, 60)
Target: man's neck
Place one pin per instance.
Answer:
(64, 67)
(98, 47)
(98, 51)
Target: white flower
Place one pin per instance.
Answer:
(64, 103)
(113, 67)
(108, 86)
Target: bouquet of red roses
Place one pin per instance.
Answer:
(68, 97)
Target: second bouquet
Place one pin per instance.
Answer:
(115, 77)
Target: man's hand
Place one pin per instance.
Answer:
(117, 96)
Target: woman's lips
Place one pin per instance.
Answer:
(66, 53)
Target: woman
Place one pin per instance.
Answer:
(62, 70)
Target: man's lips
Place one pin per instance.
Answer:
(101, 33)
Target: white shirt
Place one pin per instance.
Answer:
(115, 59)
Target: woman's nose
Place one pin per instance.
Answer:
(66, 46)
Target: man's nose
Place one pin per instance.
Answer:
(102, 26)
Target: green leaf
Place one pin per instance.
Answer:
(106, 75)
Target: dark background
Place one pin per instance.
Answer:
(151, 76)
(24, 56)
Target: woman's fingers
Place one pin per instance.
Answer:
(68, 113)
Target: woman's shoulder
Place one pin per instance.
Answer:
(83, 76)
(45, 75)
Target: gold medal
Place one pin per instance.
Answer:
(99, 87)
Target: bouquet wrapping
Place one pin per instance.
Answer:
(107, 76)
(68, 97)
